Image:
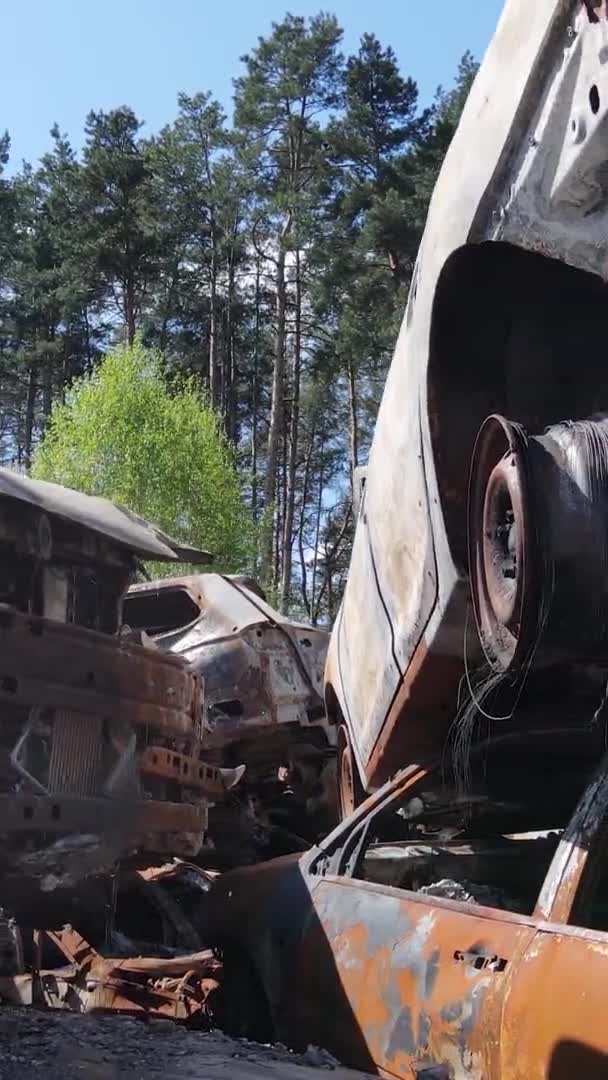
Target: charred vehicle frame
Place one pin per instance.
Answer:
(100, 743)
(263, 706)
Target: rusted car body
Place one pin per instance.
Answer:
(101, 734)
(263, 689)
(456, 926)
(505, 323)
(147, 957)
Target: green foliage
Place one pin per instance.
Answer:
(123, 433)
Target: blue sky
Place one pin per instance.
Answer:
(61, 58)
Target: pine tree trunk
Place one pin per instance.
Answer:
(232, 374)
(47, 391)
(279, 515)
(255, 396)
(290, 490)
(303, 569)
(353, 420)
(169, 306)
(214, 369)
(89, 352)
(30, 409)
(130, 319)
(330, 594)
(313, 603)
(276, 412)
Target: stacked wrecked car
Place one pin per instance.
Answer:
(455, 925)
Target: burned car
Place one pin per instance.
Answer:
(101, 733)
(455, 926)
(263, 698)
(478, 569)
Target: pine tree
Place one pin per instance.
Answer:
(122, 233)
(368, 248)
(205, 197)
(291, 79)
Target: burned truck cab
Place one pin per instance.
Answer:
(56, 569)
(99, 731)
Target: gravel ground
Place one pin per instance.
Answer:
(65, 1046)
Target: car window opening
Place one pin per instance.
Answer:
(489, 844)
(159, 612)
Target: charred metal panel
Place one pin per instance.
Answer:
(412, 982)
(66, 970)
(262, 673)
(191, 772)
(76, 755)
(566, 965)
(364, 658)
(177, 989)
(259, 669)
(156, 824)
(58, 665)
(423, 982)
(92, 516)
(405, 603)
(78, 708)
(554, 1021)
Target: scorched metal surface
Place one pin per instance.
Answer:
(412, 984)
(507, 315)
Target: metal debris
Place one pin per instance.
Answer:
(179, 978)
(469, 892)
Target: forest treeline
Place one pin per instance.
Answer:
(268, 254)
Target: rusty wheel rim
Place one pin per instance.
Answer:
(346, 776)
(503, 527)
(502, 550)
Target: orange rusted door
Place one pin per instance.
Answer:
(406, 982)
(555, 1024)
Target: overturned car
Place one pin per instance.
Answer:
(262, 678)
(477, 585)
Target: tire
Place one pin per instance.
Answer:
(245, 1012)
(350, 788)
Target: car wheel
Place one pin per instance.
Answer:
(350, 789)
(245, 1012)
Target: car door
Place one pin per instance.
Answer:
(407, 983)
(555, 1024)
